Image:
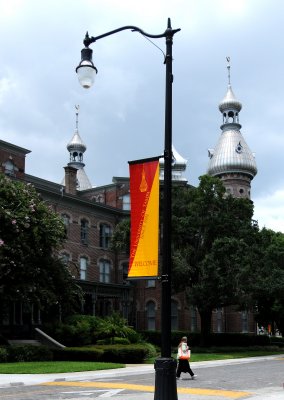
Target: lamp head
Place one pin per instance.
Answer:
(86, 70)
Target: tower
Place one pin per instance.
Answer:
(76, 149)
(232, 160)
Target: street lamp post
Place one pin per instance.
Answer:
(165, 366)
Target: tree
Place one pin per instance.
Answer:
(30, 236)
(268, 283)
(120, 240)
(212, 235)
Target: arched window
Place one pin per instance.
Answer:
(174, 315)
(105, 235)
(84, 231)
(151, 315)
(104, 266)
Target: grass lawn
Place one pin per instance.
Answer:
(54, 367)
(230, 355)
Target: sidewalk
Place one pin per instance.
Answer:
(9, 380)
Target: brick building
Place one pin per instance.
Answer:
(90, 215)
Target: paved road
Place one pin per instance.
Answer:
(253, 378)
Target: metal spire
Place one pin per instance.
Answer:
(229, 67)
(77, 116)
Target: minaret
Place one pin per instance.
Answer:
(76, 149)
(232, 160)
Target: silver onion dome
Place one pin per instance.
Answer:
(178, 166)
(77, 148)
(76, 143)
(232, 155)
(230, 102)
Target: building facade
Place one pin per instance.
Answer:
(90, 215)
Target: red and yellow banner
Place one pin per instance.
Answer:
(144, 237)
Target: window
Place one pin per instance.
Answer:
(66, 222)
(193, 319)
(126, 202)
(151, 315)
(104, 266)
(244, 316)
(150, 283)
(105, 235)
(174, 315)
(84, 231)
(83, 268)
(125, 273)
(219, 320)
(10, 168)
(65, 257)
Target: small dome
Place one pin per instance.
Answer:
(178, 166)
(76, 143)
(230, 102)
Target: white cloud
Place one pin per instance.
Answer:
(122, 116)
(269, 211)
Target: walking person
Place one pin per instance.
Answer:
(183, 358)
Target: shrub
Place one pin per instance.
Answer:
(3, 341)
(132, 354)
(214, 339)
(115, 326)
(73, 335)
(3, 355)
(114, 340)
(78, 354)
(29, 353)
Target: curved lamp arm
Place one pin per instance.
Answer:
(86, 70)
(168, 32)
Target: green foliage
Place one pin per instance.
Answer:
(218, 340)
(115, 340)
(3, 355)
(78, 333)
(120, 240)
(80, 330)
(78, 354)
(27, 353)
(30, 234)
(107, 353)
(115, 326)
(212, 235)
(267, 279)
(131, 354)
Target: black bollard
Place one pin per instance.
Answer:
(165, 379)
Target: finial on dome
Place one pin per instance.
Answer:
(228, 68)
(77, 115)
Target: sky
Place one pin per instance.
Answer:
(121, 118)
